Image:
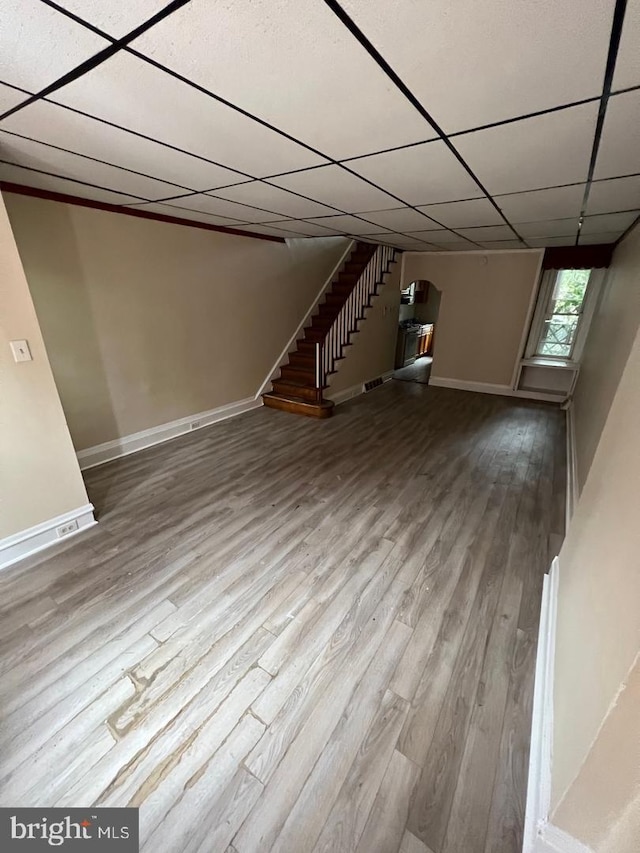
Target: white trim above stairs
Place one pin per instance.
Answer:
(33, 539)
(541, 836)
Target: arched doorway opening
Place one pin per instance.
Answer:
(417, 321)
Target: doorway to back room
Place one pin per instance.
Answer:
(418, 315)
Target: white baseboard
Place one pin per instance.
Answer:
(290, 345)
(464, 385)
(540, 836)
(539, 780)
(34, 539)
(488, 388)
(572, 466)
(101, 453)
(555, 840)
(354, 390)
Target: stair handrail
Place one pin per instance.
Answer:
(329, 349)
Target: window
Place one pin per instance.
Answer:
(563, 314)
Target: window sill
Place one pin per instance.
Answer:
(544, 361)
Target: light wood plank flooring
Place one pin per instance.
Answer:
(296, 635)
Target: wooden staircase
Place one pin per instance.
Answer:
(299, 387)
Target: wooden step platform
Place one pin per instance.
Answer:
(298, 406)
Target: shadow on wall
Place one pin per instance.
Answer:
(63, 306)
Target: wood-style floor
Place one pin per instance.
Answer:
(296, 635)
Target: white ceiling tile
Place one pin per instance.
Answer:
(410, 245)
(550, 228)
(36, 155)
(85, 135)
(537, 152)
(472, 63)
(438, 237)
(487, 232)
(464, 214)
(420, 175)
(543, 242)
(309, 229)
(619, 151)
(10, 98)
(39, 45)
(273, 198)
(20, 175)
(604, 222)
(400, 219)
(336, 186)
(182, 213)
(294, 65)
(616, 194)
(542, 204)
(270, 230)
(135, 95)
(596, 239)
(221, 207)
(116, 19)
(346, 224)
(627, 72)
(457, 246)
(503, 244)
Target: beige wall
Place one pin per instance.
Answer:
(602, 807)
(598, 630)
(606, 351)
(373, 349)
(483, 310)
(147, 322)
(39, 475)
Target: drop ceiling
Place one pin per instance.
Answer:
(425, 125)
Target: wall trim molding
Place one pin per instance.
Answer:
(289, 346)
(526, 329)
(356, 390)
(541, 836)
(539, 780)
(20, 545)
(50, 195)
(127, 444)
(471, 252)
(555, 840)
(488, 388)
(572, 465)
(464, 385)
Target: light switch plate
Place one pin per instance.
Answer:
(20, 350)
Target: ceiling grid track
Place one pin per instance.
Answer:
(295, 201)
(612, 56)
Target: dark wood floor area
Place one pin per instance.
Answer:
(296, 635)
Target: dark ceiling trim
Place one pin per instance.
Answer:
(612, 55)
(49, 195)
(98, 58)
(399, 83)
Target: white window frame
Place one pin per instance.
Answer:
(545, 293)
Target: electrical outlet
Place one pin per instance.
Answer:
(66, 529)
(194, 424)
